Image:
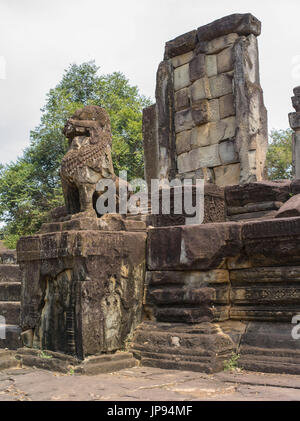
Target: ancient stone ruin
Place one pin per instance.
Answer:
(104, 292)
(295, 125)
(209, 120)
(83, 276)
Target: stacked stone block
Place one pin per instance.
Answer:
(209, 120)
(10, 295)
(258, 200)
(294, 119)
(215, 288)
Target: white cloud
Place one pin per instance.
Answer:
(41, 38)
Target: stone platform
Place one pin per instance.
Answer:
(10, 297)
(235, 285)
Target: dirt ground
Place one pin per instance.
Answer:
(147, 384)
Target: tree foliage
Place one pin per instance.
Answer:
(279, 155)
(30, 187)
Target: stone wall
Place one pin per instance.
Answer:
(214, 272)
(258, 200)
(209, 119)
(10, 292)
(220, 288)
(294, 119)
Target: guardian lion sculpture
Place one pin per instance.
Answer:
(88, 159)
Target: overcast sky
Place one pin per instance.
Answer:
(40, 38)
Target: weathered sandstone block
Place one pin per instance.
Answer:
(295, 186)
(182, 99)
(201, 347)
(296, 103)
(209, 134)
(183, 142)
(296, 154)
(269, 347)
(214, 207)
(180, 45)
(253, 207)
(181, 77)
(216, 45)
(294, 119)
(258, 192)
(201, 112)
(275, 289)
(200, 90)
(225, 60)
(207, 156)
(211, 65)
(205, 111)
(290, 208)
(220, 85)
(200, 136)
(150, 143)
(227, 107)
(230, 127)
(197, 67)
(201, 247)
(190, 290)
(164, 94)
(227, 152)
(242, 24)
(296, 91)
(251, 114)
(182, 59)
(272, 242)
(226, 175)
(184, 120)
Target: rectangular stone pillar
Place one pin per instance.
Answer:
(294, 119)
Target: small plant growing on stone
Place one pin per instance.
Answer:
(44, 355)
(71, 371)
(232, 363)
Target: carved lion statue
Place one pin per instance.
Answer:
(88, 159)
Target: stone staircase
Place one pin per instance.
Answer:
(10, 292)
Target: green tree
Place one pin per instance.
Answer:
(279, 155)
(30, 187)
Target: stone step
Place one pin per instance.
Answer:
(10, 273)
(47, 360)
(108, 363)
(12, 338)
(7, 359)
(10, 310)
(202, 347)
(55, 361)
(181, 365)
(268, 364)
(10, 291)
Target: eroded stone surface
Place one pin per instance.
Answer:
(88, 159)
(290, 208)
(215, 78)
(202, 247)
(93, 281)
(242, 24)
